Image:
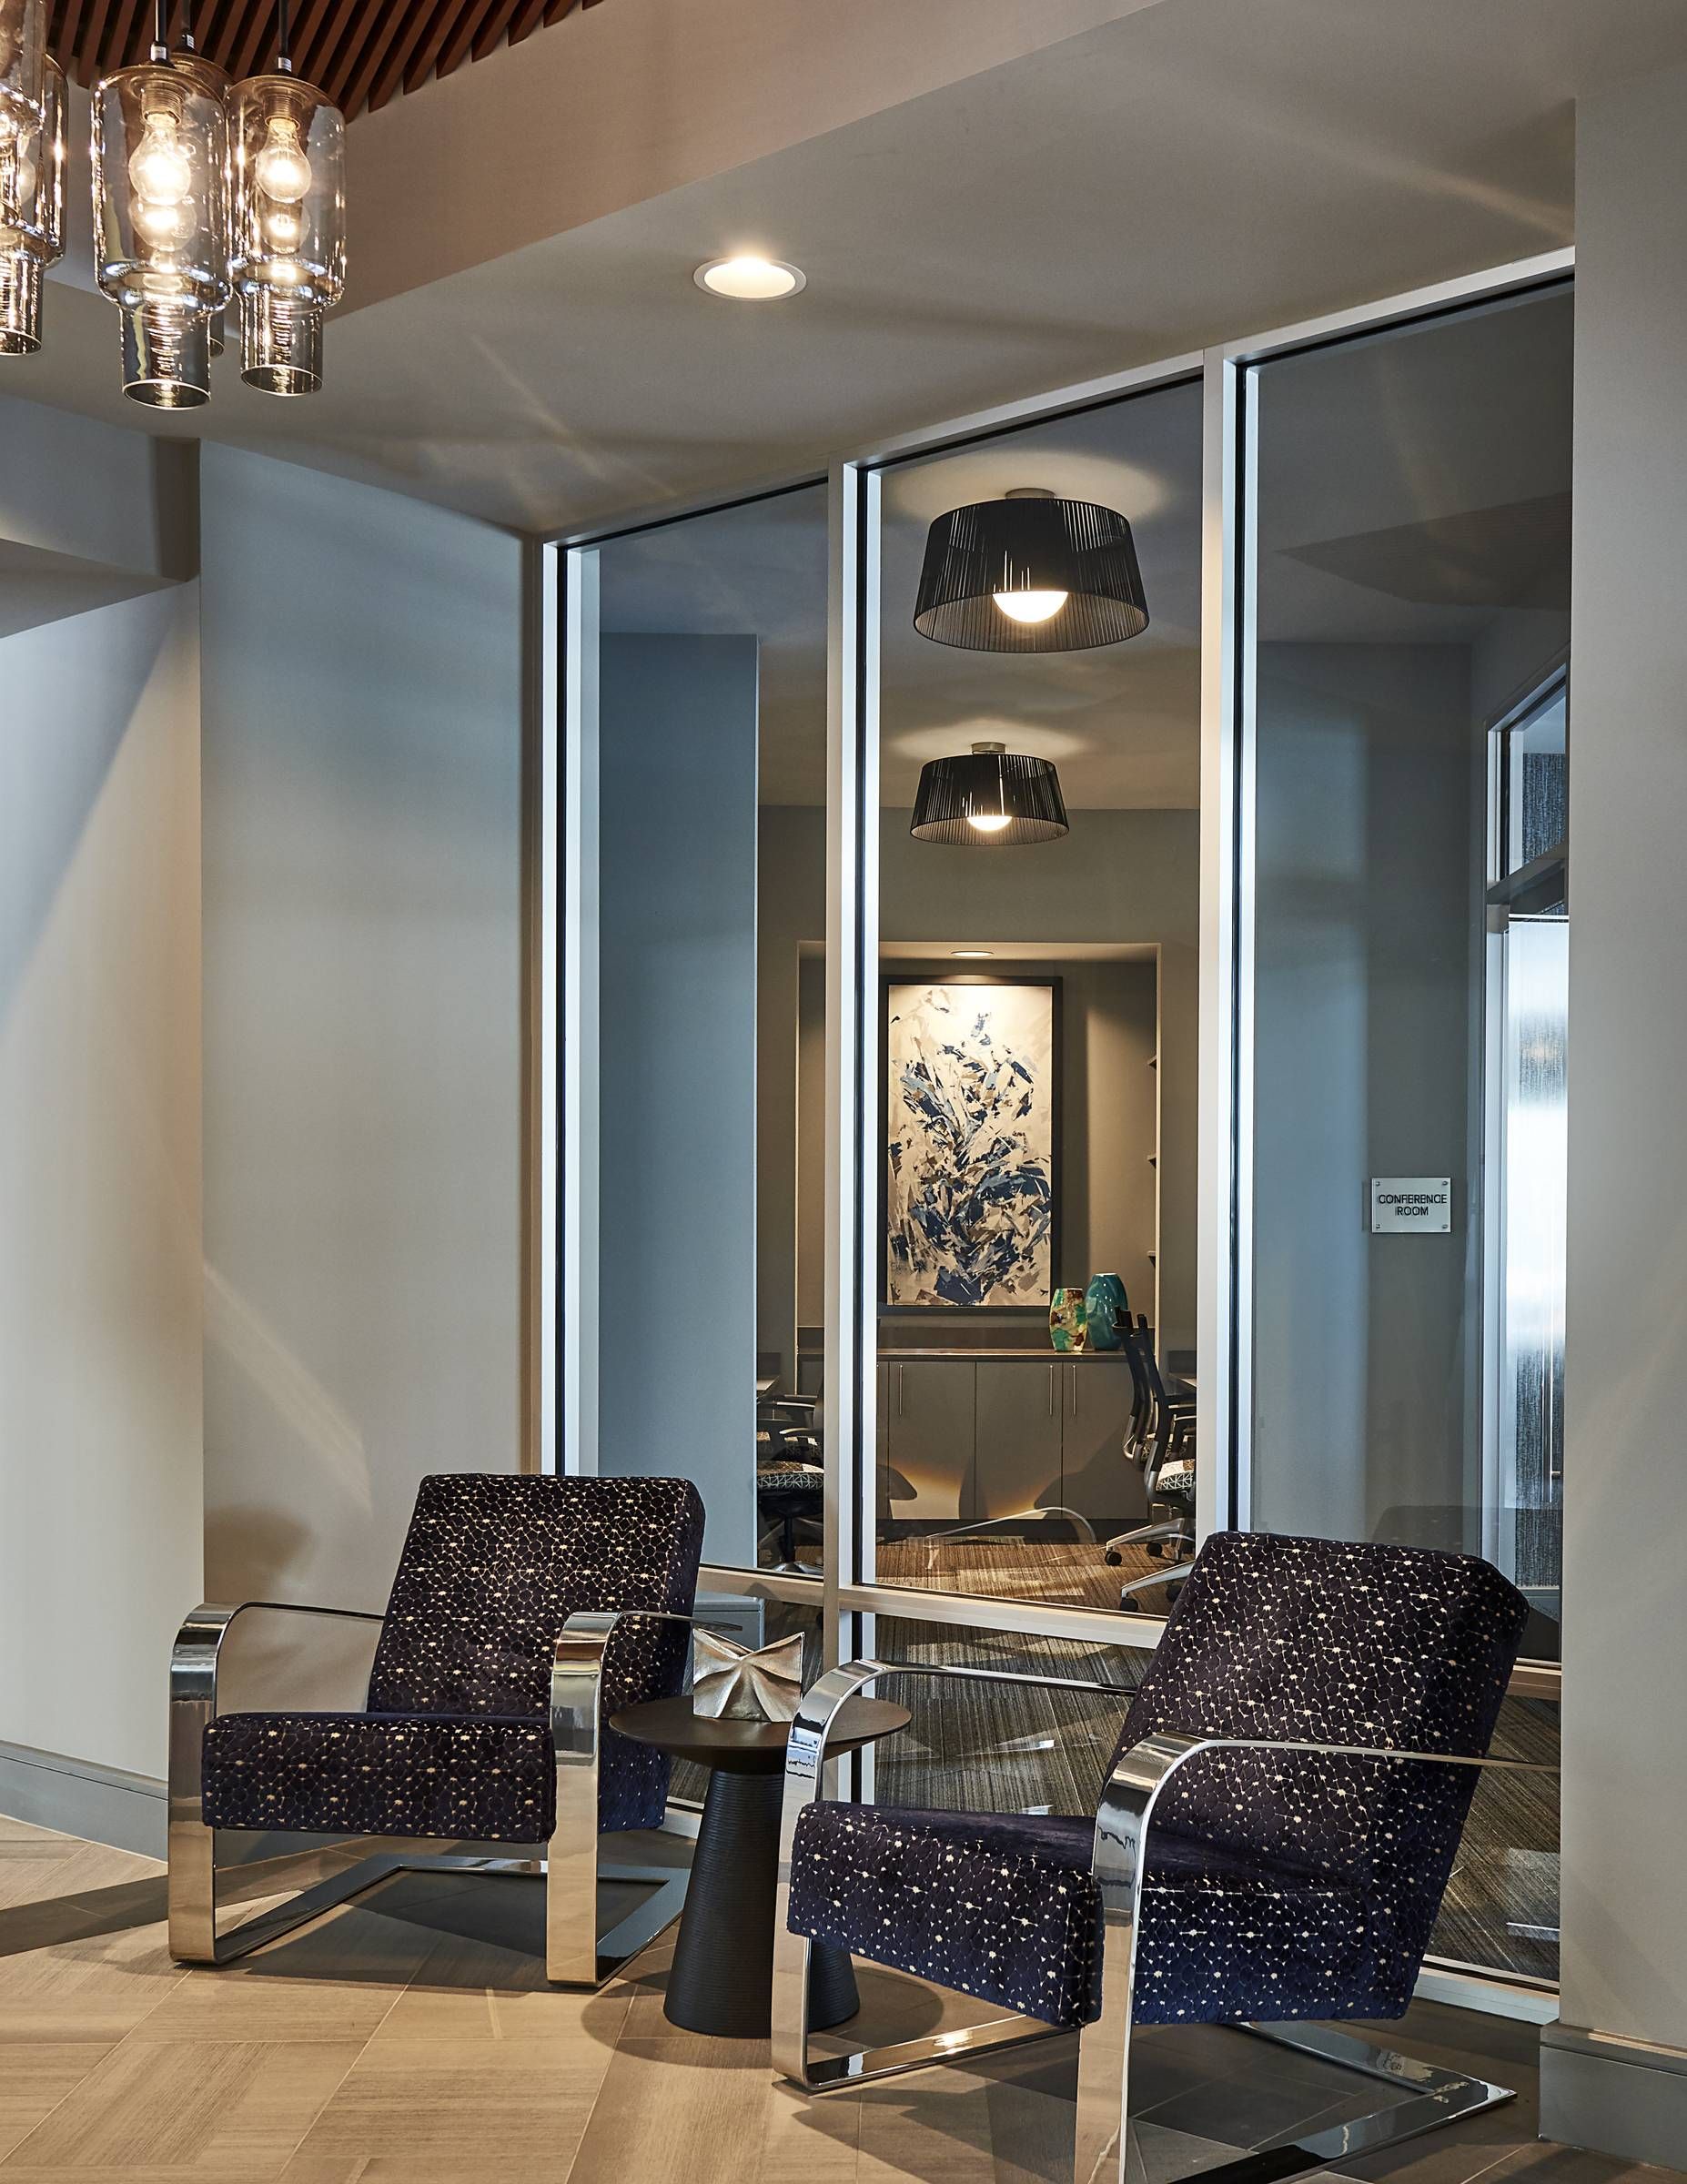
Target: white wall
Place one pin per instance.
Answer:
(362, 737)
(99, 1174)
(1625, 1464)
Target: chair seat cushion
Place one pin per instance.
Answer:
(1004, 1906)
(480, 1776)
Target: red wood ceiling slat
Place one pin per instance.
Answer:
(494, 28)
(93, 36)
(529, 16)
(431, 27)
(319, 44)
(64, 39)
(454, 49)
(128, 39)
(362, 51)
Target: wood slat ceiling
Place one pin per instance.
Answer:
(361, 52)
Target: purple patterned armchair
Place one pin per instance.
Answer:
(524, 1610)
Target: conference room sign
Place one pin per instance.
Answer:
(1410, 1205)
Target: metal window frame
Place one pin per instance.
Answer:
(847, 1594)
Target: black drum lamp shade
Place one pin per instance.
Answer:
(1030, 573)
(989, 798)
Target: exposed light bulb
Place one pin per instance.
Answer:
(1030, 606)
(165, 224)
(988, 822)
(161, 170)
(23, 177)
(284, 228)
(281, 169)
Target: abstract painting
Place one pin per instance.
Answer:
(971, 1114)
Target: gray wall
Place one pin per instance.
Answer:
(1625, 1479)
(99, 1168)
(1365, 1424)
(1118, 876)
(677, 1069)
(362, 738)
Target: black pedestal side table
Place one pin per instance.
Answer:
(721, 1980)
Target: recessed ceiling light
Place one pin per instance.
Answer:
(750, 280)
(972, 955)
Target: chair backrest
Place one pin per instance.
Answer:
(1341, 1644)
(493, 1567)
(1141, 1402)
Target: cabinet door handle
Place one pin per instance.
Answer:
(1072, 1373)
(1052, 1370)
(900, 1370)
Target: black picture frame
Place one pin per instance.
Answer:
(916, 973)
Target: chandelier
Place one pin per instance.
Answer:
(208, 197)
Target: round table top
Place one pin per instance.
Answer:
(749, 1748)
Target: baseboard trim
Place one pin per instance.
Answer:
(77, 1797)
(1614, 2096)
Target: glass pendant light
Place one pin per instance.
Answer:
(32, 212)
(288, 223)
(989, 798)
(206, 76)
(160, 246)
(23, 60)
(1030, 573)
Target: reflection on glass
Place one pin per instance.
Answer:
(1410, 567)
(980, 1746)
(712, 769)
(1412, 575)
(1032, 1123)
(1537, 782)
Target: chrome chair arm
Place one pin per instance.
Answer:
(577, 1678)
(576, 1736)
(805, 1757)
(195, 1659)
(1122, 1823)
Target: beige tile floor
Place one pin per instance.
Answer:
(412, 2036)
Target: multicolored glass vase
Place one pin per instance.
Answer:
(1069, 1322)
(1106, 1307)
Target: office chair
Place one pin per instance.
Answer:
(1164, 1450)
(789, 1478)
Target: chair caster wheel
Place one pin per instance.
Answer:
(1115, 1559)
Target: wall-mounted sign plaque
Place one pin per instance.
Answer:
(1410, 1205)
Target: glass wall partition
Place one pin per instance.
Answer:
(701, 839)
(1031, 1130)
(1406, 600)
(981, 1109)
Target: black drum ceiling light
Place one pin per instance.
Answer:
(1030, 573)
(989, 798)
